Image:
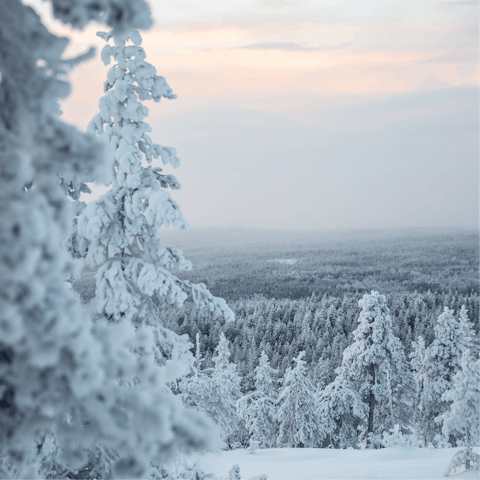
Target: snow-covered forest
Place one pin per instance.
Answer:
(117, 360)
(275, 341)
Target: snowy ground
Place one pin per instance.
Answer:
(316, 464)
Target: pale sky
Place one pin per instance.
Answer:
(312, 114)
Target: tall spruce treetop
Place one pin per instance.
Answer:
(118, 232)
(376, 364)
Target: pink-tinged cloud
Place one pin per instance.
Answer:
(292, 47)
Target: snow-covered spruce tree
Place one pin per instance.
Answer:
(462, 420)
(297, 414)
(442, 361)
(375, 366)
(198, 390)
(227, 385)
(340, 411)
(258, 408)
(215, 392)
(118, 232)
(59, 391)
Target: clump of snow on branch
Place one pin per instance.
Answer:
(119, 14)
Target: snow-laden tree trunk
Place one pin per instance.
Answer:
(371, 400)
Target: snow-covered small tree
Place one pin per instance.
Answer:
(215, 392)
(462, 420)
(258, 408)
(442, 361)
(297, 414)
(417, 357)
(376, 367)
(340, 411)
(198, 390)
(227, 385)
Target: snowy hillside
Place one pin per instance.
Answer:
(325, 464)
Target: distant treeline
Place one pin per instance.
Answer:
(297, 266)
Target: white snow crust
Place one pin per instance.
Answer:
(335, 464)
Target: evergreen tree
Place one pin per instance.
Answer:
(60, 400)
(442, 361)
(215, 392)
(375, 365)
(118, 231)
(462, 420)
(227, 384)
(258, 408)
(198, 390)
(297, 412)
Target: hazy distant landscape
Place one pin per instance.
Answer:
(238, 262)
